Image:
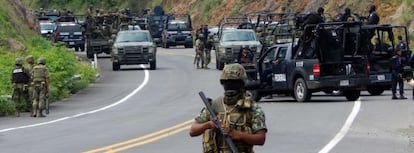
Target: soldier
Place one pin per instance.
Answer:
(242, 119)
(29, 67)
(207, 49)
(199, 47)
(20, 78)
(41, 84)
(90, 11)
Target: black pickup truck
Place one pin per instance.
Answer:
(380, 53)
(329, 61)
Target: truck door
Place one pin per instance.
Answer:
(266, 66)
(279, 69)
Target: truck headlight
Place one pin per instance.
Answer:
(151, 50)
(115, 50)
(222, 50)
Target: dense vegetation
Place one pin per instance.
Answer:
(62, 64)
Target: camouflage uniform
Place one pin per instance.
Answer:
(208, 45)
(20, 78)
(199, 50)
(245, 116)
(29, 67)
(40, 75)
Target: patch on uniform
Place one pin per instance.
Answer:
(18, 70)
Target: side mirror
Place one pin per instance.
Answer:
(252, 85)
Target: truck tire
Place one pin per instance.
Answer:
(220, 66)
(82, 48)
(375, 91)
(115, 66)
(301, 92)
(153, 65)
(352, 95)
(89, 53)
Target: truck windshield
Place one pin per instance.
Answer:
(47, 27)
(133, 37)
(239, 36)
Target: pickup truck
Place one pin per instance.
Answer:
(328, 62)
(132, 47)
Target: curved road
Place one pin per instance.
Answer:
(137, 110)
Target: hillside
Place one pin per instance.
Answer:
(211, 11)
(19, 38)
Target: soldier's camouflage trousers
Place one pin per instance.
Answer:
(20, 91)
(39, 95)
(206, 58)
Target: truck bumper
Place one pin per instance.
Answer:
(133, 60)
(358, 83)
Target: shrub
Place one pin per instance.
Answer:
(6, 106)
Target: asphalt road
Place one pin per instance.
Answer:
(136, 110)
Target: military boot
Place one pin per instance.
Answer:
(34, 111)
(40, 113)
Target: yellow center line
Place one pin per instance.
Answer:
(149, 140)
(154, 136)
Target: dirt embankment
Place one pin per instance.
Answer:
(392, 11)
(22, 20)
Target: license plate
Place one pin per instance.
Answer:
(71, 43)
(380, 77)
(344, 83)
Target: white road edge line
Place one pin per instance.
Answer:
(90, 112)
(344, 130)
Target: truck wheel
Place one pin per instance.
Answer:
(301, 92)
(115, 66)
(375, 91)
(221, 66)
(153, 65)
(82, 48)
(352, 95)
(89, 53)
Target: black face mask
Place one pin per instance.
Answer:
(233, 91)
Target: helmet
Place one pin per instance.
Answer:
(41, 60)
(29, 59)
(233, 71)
(18, 61)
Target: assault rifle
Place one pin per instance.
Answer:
(216, 121)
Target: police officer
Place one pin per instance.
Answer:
(29, 67)
(397, 74)
(401, 44)
(41, 84)
(373, 17)
(245, 56)
(242, 119)
(20, 78)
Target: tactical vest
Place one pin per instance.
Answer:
(39, 73)
(20, 76)
(237, 118)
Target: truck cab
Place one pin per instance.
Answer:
(177, 32)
